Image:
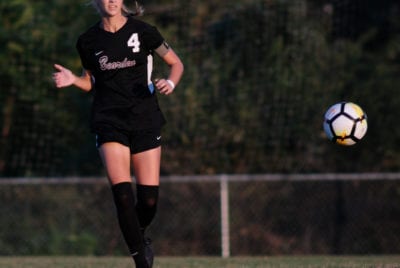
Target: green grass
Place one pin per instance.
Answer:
(206, 262)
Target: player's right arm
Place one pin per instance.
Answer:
(63, 77)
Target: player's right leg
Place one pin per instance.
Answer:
(116, 158)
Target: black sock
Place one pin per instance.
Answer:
(125, 204)
(146, 207)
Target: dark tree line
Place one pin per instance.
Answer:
(259, 76)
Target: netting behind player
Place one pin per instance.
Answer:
(259, 76)
(320, 214)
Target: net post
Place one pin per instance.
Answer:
(224, 200)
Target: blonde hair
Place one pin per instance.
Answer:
(138, 11)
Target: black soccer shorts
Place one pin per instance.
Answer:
(137, 140)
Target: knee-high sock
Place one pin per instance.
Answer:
(146, 207)
(125, 204)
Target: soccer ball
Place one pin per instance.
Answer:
(345, 123)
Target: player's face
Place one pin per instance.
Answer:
(110, 8)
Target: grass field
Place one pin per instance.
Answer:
(206, 262)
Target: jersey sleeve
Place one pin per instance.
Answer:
(152, 38)
(83, 53)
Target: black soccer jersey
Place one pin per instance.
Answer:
(121, 64)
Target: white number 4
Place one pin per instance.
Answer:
(134, 43)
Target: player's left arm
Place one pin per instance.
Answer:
(166, 86)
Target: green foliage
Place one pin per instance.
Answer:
(259, 76)
(260, 81)
(37, 123)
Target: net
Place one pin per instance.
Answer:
(259, 77)
(270, 214)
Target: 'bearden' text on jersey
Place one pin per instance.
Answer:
(105, 65)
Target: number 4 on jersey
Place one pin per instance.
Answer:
(134, 43)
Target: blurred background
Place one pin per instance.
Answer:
(259, 76)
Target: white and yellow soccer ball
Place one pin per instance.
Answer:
(345, 123)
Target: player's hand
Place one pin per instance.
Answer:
(63, 77)
(164, 86)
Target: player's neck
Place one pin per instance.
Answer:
(113, 24)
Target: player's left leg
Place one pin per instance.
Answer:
(146, 167)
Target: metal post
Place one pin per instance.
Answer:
(224, 195)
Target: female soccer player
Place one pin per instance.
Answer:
(116, 55)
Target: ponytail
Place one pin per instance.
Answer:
(138, 11)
